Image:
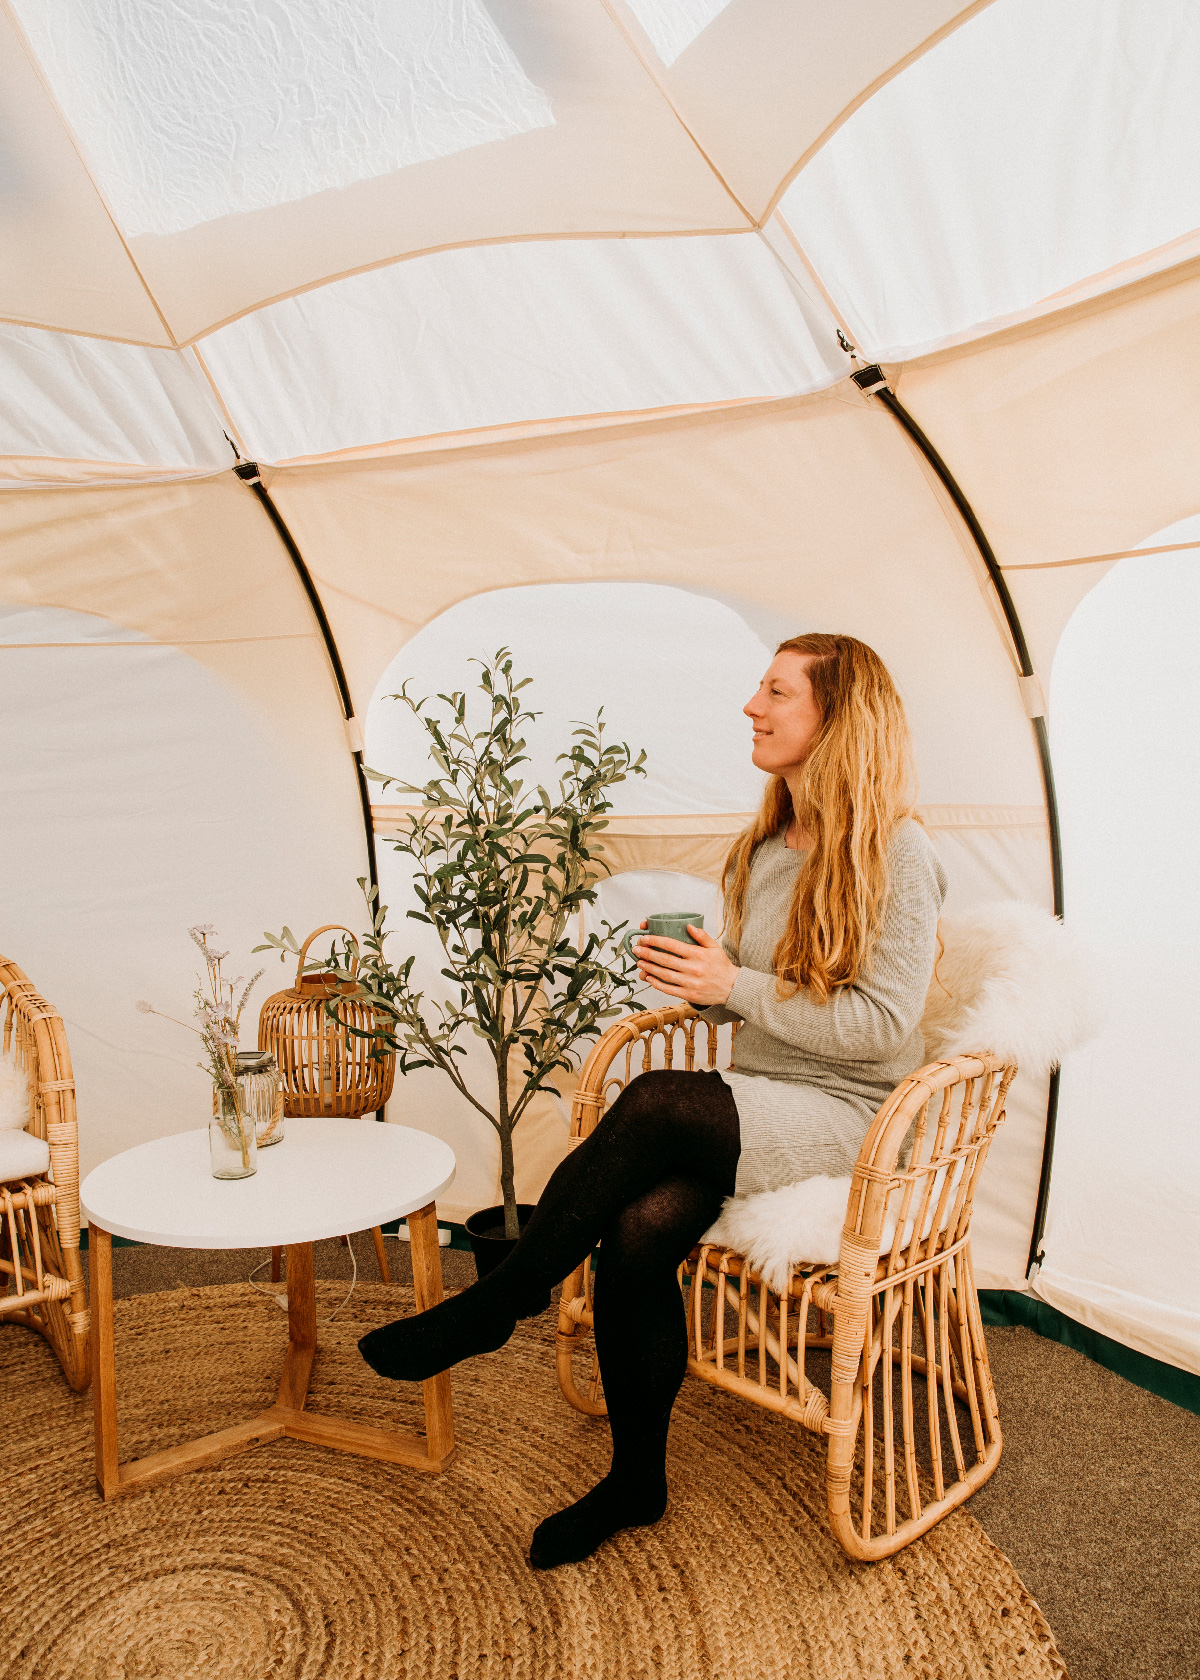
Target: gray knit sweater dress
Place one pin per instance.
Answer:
(808, 1077)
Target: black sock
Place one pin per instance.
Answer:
(479, 1320)
(615, 1503)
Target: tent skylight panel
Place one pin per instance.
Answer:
(673, 25)
(501, 334)
(1042, 143)
(199, 109)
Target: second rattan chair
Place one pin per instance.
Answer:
(881, 1354)
(40, 1264)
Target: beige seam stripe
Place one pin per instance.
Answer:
(704, 825)
(198, 641)
(556, 426)
(1099, 559)
(224, 407)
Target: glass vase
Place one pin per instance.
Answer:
(231, 1141)
(261, 1095)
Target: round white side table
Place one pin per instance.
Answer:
(327, 1177)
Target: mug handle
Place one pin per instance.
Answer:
(627, 939)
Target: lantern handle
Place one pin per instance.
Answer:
(330, 927)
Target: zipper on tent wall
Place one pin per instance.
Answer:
(872, 381)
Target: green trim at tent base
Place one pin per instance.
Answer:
(1010, 1306)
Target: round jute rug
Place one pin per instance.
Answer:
(292, 1562)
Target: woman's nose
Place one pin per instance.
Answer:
(752, 708)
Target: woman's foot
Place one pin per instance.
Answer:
(428, 1343)
(479, 1320)
(613, 1504)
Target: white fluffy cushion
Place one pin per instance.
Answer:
(22, 1155)
(14, 1093)
(1010, 979)
(1013, 980)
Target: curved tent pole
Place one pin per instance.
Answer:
(248, 472)
(873, 382)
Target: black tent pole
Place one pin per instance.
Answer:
(873, 382)
(248, 472)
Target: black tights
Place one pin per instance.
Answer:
(646, 1185)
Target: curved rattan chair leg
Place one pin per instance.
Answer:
(574, 1338)
(958, 1402)
(63, 1323)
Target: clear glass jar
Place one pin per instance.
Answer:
(261, 1094)
(231, 1141)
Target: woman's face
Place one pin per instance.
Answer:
(784, 714)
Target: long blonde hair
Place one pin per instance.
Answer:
(857, 785)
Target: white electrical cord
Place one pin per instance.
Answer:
(281, 1300)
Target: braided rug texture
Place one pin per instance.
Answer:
(292, 1562)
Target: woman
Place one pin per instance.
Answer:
(832, 899)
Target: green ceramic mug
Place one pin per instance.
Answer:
(672, 924)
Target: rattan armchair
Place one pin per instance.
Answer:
(899, 1305)
(40, 1267)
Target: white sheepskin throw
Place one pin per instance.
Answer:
(776, 1229)
(14, 1094)
(1010, 979)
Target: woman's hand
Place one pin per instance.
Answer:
(700, 974)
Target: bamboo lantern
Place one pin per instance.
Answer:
(323, 1068)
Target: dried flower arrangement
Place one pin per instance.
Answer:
(219, 1017)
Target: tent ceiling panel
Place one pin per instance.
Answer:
(774, 507)
(62, 262)
(194, 563)
(500, 334)
(613, 159)
(89, 399)
(760, 82)
(1075, 437)
(1040, 144)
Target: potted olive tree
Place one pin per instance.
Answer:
(501, 872)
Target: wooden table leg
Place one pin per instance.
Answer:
(287, 1416)
(104, 1366)
(381, 1254)
(302, 1328)
(427, 1288)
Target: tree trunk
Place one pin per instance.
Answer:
(508, 1189)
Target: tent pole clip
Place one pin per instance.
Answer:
(1032, 695)
(871, 380)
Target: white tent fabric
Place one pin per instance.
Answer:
(530, 315)
(1121, 1253)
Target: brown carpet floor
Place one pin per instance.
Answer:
(1096, 1501)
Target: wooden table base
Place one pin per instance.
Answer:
(431, 1451)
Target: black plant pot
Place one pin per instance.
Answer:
(488, 1242)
